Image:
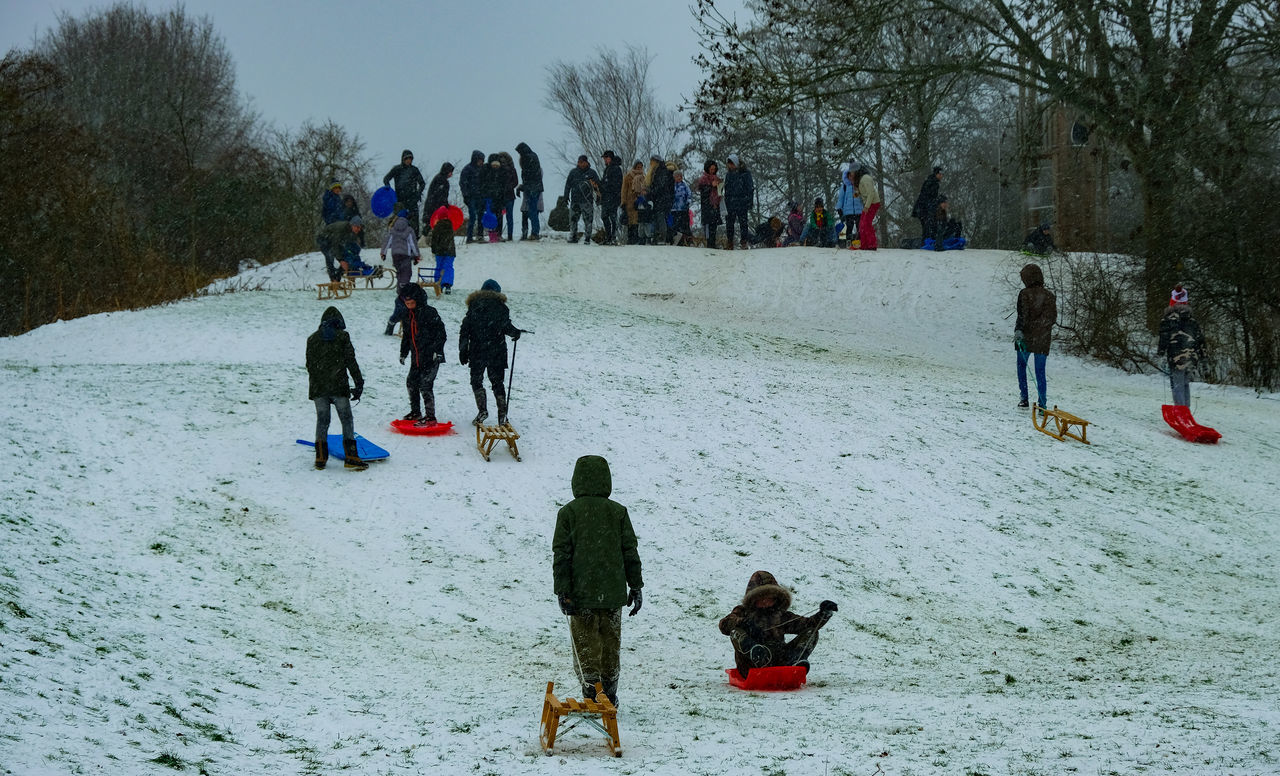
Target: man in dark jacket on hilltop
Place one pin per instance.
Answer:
(469, 184)
(611, 196)
(580, 188)
(1033, 330)
(482, 343)
(739, 191)
(409, 184)
(438, 191)
(596, 571)
(758, 625)
(531, 185)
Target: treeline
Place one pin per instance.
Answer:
(136, 173)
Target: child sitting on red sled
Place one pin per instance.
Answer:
(757, 627)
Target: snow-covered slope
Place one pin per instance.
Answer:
(179, 587)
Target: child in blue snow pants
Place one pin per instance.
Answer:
(1040, 358)
(444, 271)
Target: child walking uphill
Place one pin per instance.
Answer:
(330, 357)
(443, 248)
(423, 344)
(482, 342)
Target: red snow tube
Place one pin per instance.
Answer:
(1179, 418)
(771, 678)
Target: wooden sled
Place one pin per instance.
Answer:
(383, 277)
(598, 712)
(1064, 423)
(426, 278)
(489, 436)
(337, 289)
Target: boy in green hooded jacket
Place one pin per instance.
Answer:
(596, 569)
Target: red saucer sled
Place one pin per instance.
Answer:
(412, 428)
(773, 678)
(1180, 419)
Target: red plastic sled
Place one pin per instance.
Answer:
(451, 212)
(774, 678)
(412, 428)
(1179, 418)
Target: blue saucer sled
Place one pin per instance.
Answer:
(382, 203)
(367, 450)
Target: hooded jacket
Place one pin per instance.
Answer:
(1180, 338)
(927, 202)
(594, 556)
(1037, 310)
(739, 189)
(331, 208)
(408, 182)
(530, 169)
(469, 180)
(330, 357)
(424, 334)
(492, 184)
(442, 239)
(482, 338)
(401, 241)
(611, 184)
(768, 626)
(438, 191)
(581, 184)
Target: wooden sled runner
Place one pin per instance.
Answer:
(337, 289)
(598, 712)
(489, 436)
(1063, 425)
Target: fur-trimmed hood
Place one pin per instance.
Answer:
(762, 584)
(476, 296)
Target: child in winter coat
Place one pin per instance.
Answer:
(849, 206)
(758, 625)
(1033, 330)
(795, 224)
(330, 357)
(1183, 344)
(819, 226)
(423, 344)
(709, 186)
(482, 343)
(443, 248)
(680, 230)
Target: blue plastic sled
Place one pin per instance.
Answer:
(383, 202)
(367, 450)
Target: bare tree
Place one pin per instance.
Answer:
(608, 103)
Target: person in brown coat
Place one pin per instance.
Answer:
(632, 187)
(1037, 313)
(758, 625)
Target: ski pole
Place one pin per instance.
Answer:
(511, 377)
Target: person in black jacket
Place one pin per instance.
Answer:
(482, 343)
(739, 191)
(662, 192)
(330, 357)
(438, 191)
(469, 184)
(423, 344)
(531, 185)
(1039, 241)
(409, 184)
(492, 190)
(926, 208)
(580, 188)
(611, 196)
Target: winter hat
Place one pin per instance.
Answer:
(357, 221)
(607, 155)
(403, 214)
(583, 158)
(818, 202)
(334, 183)
(406, 154)
(1179, 296)
(733, 159)
(491, 285)
(937, 170)
(413, 291)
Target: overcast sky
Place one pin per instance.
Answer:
(438, 78)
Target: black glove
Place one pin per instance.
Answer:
(463, 359)
(634, 600)
(402, 359)
(355, 393)
(566, 606)
(828, 606)
(515, 335)
(439, 358)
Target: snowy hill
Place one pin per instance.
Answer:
(179, 589)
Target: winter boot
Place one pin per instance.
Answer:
(413, 415)
(483, 413)
(1022, 404)
(502, 409)
(415, 408)
(322, 453)
(352, 457)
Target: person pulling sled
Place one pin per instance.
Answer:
(482, 344)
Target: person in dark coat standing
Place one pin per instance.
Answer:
(409, 184)
(510, 183)
(531, 185)
(662, 194)
(472, 197)
(739, 191)
(757, 627)
(709, 199)
(611, 196)
(423, 344)
(595, 572)
(1039, 241)
(444, 249)
(482, 344)
(438, 191)
(492, 189)
(330, 358)
(1033, 330)
(580, 186)
(926, 208)
(1182, 342)
(331, 205)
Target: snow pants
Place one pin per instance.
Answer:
(444, 270)
(782, 653)
(597, 642)
(586, 211)
(1040, 358)
(344, 416)
(421, 382)
(1180, 382)
(496, 374)
(867, 229)
(403, 264)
